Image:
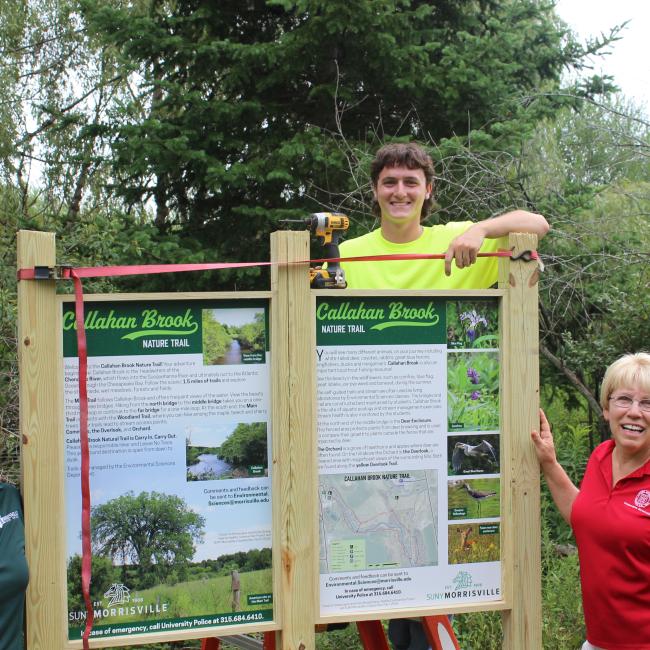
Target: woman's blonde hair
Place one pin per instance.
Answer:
(628, 371)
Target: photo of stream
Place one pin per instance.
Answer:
(233, 336)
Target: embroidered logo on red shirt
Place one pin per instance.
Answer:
(642, 499)
(641, 502)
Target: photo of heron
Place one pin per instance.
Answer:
(474, 498)
(477, 454)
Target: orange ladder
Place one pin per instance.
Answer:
(438, 631)
(268, 643)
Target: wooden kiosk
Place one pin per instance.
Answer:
(400, 480)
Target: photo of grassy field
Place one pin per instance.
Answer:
(200, 597)
(470, 543)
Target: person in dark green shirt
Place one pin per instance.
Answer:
(13, 569)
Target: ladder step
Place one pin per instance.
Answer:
(243, 641)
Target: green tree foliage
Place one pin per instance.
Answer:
(243, 561)
(251, 110)
(153, 531)
(588, 172)
(252, 335)
(246, 445)
(104, 573)
(226, 116)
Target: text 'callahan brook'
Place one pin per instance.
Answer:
(396, 311)
(149, 319)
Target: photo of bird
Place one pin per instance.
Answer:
(478, 495)
(465, 499)
(475, 455)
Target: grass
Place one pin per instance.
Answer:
(199, 597)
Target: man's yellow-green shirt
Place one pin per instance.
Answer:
(418, 274)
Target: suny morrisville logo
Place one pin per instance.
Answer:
(118, 594)
(463, 580)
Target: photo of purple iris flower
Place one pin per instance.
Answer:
(473, 324)
(473, 390)
(474, 321)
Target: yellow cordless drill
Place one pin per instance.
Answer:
(326, 226)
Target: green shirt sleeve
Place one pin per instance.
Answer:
(13, 569)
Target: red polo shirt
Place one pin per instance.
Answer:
(612, 531)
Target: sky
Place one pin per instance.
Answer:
(629, 58)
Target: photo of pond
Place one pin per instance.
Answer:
(242, 454)
(209, 464)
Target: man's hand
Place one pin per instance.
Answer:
(464, 248)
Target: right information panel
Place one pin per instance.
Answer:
(409, 453)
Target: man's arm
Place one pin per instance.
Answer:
(464, 248)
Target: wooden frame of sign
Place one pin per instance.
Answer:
(298, 567)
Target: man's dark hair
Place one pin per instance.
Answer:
(409, 155)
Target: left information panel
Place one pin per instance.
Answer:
(179, 430)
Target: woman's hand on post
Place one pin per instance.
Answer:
(563, 491)
(543, 441)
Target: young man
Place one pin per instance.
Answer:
(402, 181)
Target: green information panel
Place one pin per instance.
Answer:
(409, 453)
(179, 431)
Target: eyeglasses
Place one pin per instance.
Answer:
(625, 402)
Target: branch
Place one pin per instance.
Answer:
(573, 379)
(52, 120)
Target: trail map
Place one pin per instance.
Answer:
(376, 521)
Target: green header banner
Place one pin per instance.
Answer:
(158, 327)
(380, 321)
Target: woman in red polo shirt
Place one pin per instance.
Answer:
(610, 513)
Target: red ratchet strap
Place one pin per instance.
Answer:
(526, 256)
(86, 550)
(65, 273)
(76, 274)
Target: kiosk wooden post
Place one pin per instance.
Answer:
(42, 450)
(294, 472)
(522, 623)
